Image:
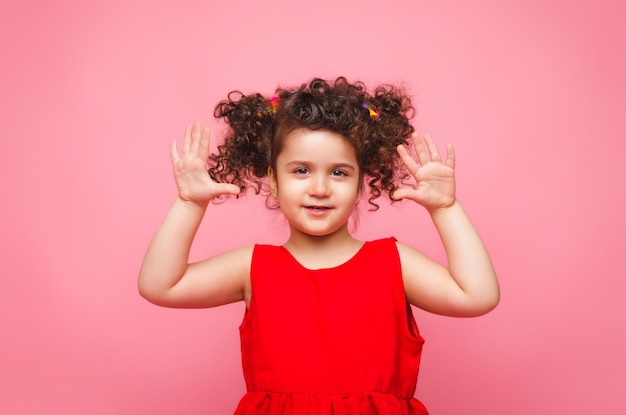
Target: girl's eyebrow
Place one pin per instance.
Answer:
(347, 166)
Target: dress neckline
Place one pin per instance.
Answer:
(349, 260)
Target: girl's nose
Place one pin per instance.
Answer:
(319, 186)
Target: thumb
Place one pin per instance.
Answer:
(228, 188)
(400, 194)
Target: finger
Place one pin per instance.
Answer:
(399, 194)
(432, 149)
(196, 137)
(187, 140)
(408, 161)
(451, 156)
(174, 151)
(228, 188)
(203, 150)
(420, 150)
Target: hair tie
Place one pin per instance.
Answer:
(271, 109)
(274, 104)
(374, 113)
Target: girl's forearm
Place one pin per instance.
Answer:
(468, 260)
(167, 256)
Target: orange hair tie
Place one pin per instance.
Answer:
(374, 113)
(271, 109)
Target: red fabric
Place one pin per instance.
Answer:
(332, 341)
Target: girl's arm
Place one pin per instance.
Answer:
(166, 278)
(468, 286)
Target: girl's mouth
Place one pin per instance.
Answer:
(316, 211)
(318, 208)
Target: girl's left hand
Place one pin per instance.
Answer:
(434, 179)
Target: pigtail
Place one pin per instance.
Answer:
(243, 158)
(389, 111)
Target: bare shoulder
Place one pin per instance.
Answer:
(412, 260)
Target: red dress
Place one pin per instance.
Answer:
(338, 341)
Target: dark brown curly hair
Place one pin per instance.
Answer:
(259, 125)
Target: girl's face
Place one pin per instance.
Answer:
(316, 182)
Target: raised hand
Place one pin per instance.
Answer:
(434, 179)
(190, 168)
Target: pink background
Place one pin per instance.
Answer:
(531, 93)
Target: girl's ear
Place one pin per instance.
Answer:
(273, 185)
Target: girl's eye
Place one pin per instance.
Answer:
(301, 170)
(339, 173)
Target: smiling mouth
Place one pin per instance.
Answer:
(318, 208)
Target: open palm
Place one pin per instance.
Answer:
(190, 168)
(434, 180)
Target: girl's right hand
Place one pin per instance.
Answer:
(190, 168)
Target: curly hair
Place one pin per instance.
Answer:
(259, 125)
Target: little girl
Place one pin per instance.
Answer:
(328, 327)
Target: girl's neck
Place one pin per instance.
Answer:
(315, 252)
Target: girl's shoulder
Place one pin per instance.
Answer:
(386, 241)
(388, 244)
(412, 259)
